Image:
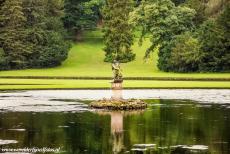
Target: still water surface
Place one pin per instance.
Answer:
(167, 126)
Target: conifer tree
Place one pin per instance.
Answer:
(214, 37)
(31, 34)
(12, 36)
(45, 32)
(118, 36)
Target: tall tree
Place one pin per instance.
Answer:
(46, 32)
(200, 6)
(162, 20)
(215, 43)
(32, 34)
(118, 36)
(13, 34)
(81, 15)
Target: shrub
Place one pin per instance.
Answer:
(185, 54)
(3, 60)
(54, 52)
(215, 44)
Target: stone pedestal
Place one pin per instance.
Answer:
(116, 85)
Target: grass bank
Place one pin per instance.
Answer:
(22, 84)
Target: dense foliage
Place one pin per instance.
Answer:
(81, 15)
(185, 55)
(162, 20)
(32, 34)
(206, 50)
(199, 6)
(214, 37)
(188, 37)
(118, 36)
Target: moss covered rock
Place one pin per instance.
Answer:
(121, 104)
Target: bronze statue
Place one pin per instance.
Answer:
(117, 71)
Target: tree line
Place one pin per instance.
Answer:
(31, 34)
(191, 35)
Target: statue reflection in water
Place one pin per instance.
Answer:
(117, 129)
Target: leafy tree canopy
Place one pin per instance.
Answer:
(185, 53)
(162, 20)
(81, 14)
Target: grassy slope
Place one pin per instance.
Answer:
(86, 60)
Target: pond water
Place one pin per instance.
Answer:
(51, 119)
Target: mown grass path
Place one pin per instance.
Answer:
(14, 84)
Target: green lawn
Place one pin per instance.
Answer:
(86, 60)
(11, 84)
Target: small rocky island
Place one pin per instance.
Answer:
(116, 102)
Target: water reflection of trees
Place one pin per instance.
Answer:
(179, 123)
(164, 125)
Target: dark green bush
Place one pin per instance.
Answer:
(185, 54)
(215, 44)
(4, 61)
(55, 51)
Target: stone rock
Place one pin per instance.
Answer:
(119, 104)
